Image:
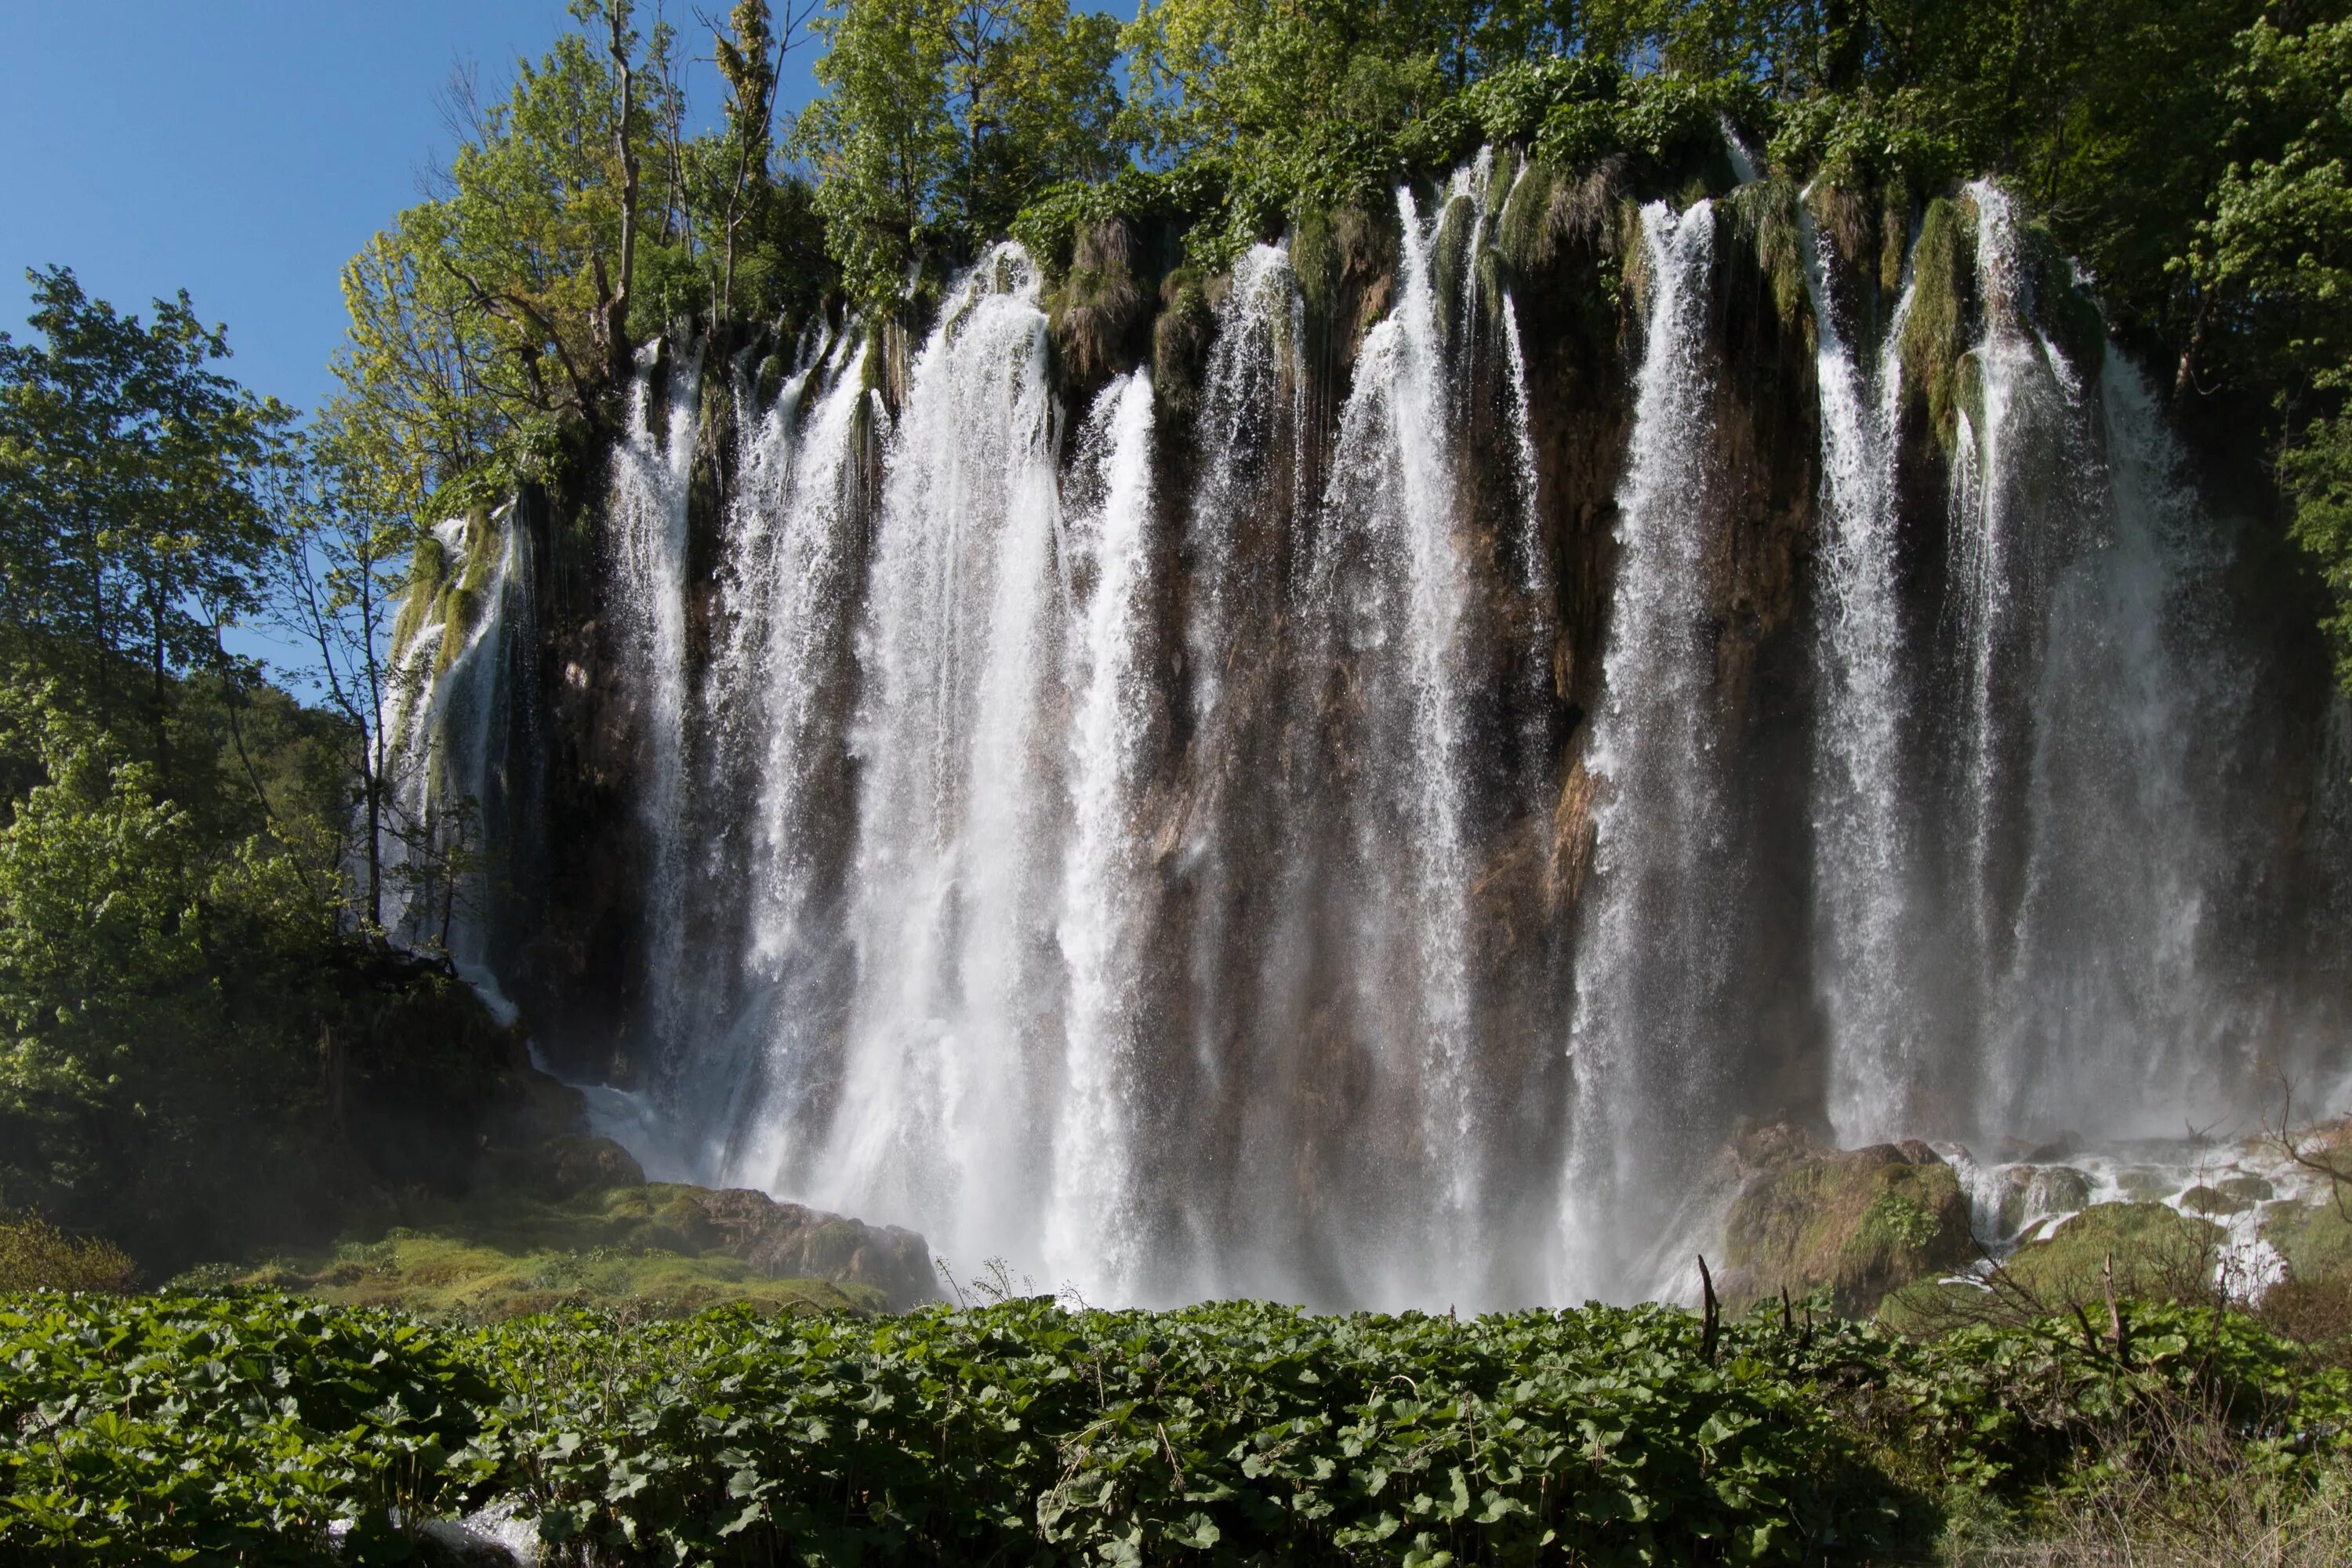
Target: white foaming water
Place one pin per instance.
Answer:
(1645, 1058)
(1387, 589)
(2119, 1009)
(1092, 1229)
(946, 1086)
(650, 472)
(1534, 569)
(1864, 856)
(788, 586)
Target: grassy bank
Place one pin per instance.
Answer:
(253, 1428)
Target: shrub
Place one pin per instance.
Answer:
(36, 1256)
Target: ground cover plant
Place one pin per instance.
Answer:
(258, 1428)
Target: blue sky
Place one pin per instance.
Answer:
(243, 149)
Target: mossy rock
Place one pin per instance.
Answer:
(1180, 342)
(2315, 1239)
(2146, 1186)
(1765, 221)
(2210, 1202)
(1450, 258)
(1857, 1223)
(2054, 1189)
(2247, 1187)
(2157, 1252)
(1943, 297)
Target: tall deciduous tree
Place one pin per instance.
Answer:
(942, 117)
(133, 532)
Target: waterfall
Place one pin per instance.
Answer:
(945, 1086)
(1152, 852)
(1646, 1060)
(1092, 1233)
(1252, 434)
(1870, 985)
(1535, 574)
(650, 471)
(1387, 594)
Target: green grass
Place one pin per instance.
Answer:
(501, 1252)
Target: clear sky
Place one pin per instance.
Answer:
(243, 150)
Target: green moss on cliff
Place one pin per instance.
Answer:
(1934, 342)
(1765, 221)
(2315, 1239)
(1180, 342)
(1450, 257)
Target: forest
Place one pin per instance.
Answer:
(240, 1070)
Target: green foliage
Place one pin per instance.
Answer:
(1855, 1224)
(243, 1425)
(132, 525)
(223, 1430)
(2318, 470)
(939, 120)
(166, 985)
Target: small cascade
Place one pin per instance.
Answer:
(2022, 459)
(448, 721)
(1252, 428)
(947, 1083)
(1535, 568)
(650, 472)
(1093, 1233)
(1645, 1051)
(1864, 859)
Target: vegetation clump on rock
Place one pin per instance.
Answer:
(1856, 1224)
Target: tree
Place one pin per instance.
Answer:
(750, 55)
(340, 566)
(942, 117)
(493, 314)
(133, 530)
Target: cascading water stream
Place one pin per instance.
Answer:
(947, 1079)
(1644, 1052)
(1092, 1231)
(650, 472)
(1864, 858)
(786, 587)
(1389, 589)
(447, 734)
(2118, 1004)
(1148, 861)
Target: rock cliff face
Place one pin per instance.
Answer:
(1352, 775)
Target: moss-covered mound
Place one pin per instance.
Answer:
(569, 1220)
(2156, 1252)
(1857, 1223)
(446, 1273)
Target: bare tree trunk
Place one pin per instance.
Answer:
(616, 307)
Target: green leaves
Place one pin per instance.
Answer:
(1023, 1433)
